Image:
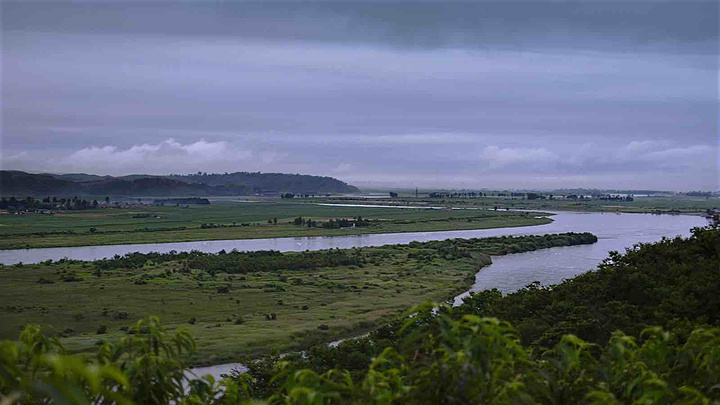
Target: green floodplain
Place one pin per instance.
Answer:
(662, 204)
(234, 220)
(247, 303)
(273, 218)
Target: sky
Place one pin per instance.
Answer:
(487, 94)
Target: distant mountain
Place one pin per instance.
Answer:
(17, 183)
(78, 177)
(272, 182)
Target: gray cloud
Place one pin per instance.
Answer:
(531, 94)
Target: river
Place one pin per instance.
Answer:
(623, 229)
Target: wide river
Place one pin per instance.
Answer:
(615, 232)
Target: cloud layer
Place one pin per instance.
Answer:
(532, 94)
(161, 158)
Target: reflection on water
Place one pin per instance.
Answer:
(551, 266)
(216, 371)
(624, 229)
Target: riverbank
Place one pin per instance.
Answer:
(237, 311)
(237, 221)
(659, 205)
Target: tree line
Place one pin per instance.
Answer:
(236, 262)
(48, 203)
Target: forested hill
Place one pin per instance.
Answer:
(21, 184)
(269, 182)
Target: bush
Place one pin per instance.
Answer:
(472, 360)
(121, 315)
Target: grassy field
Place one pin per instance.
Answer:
(658, 205)
(231, 220)
(236, 312)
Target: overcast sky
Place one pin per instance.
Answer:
(612, 94)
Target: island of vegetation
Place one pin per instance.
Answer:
(183, 201)
(540, 345)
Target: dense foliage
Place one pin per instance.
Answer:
(234, 262)
(271, 182)
(243, 262)
(47, 203)
(502, 245)
(465, 361)
(672, 283)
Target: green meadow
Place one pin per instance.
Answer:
(655, 205)
(247, 304)
(232, 220)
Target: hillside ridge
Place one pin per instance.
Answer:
(20, 183)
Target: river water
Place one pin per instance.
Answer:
(551, 266)
(620, 229)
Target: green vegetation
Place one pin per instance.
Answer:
(233, 220)
(565, 346)
(247, 303)
(675, 204)
(647, 205)
(436, 354)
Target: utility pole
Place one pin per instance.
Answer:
(416, 192)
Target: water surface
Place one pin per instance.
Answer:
(625, 229)
(551, 266)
